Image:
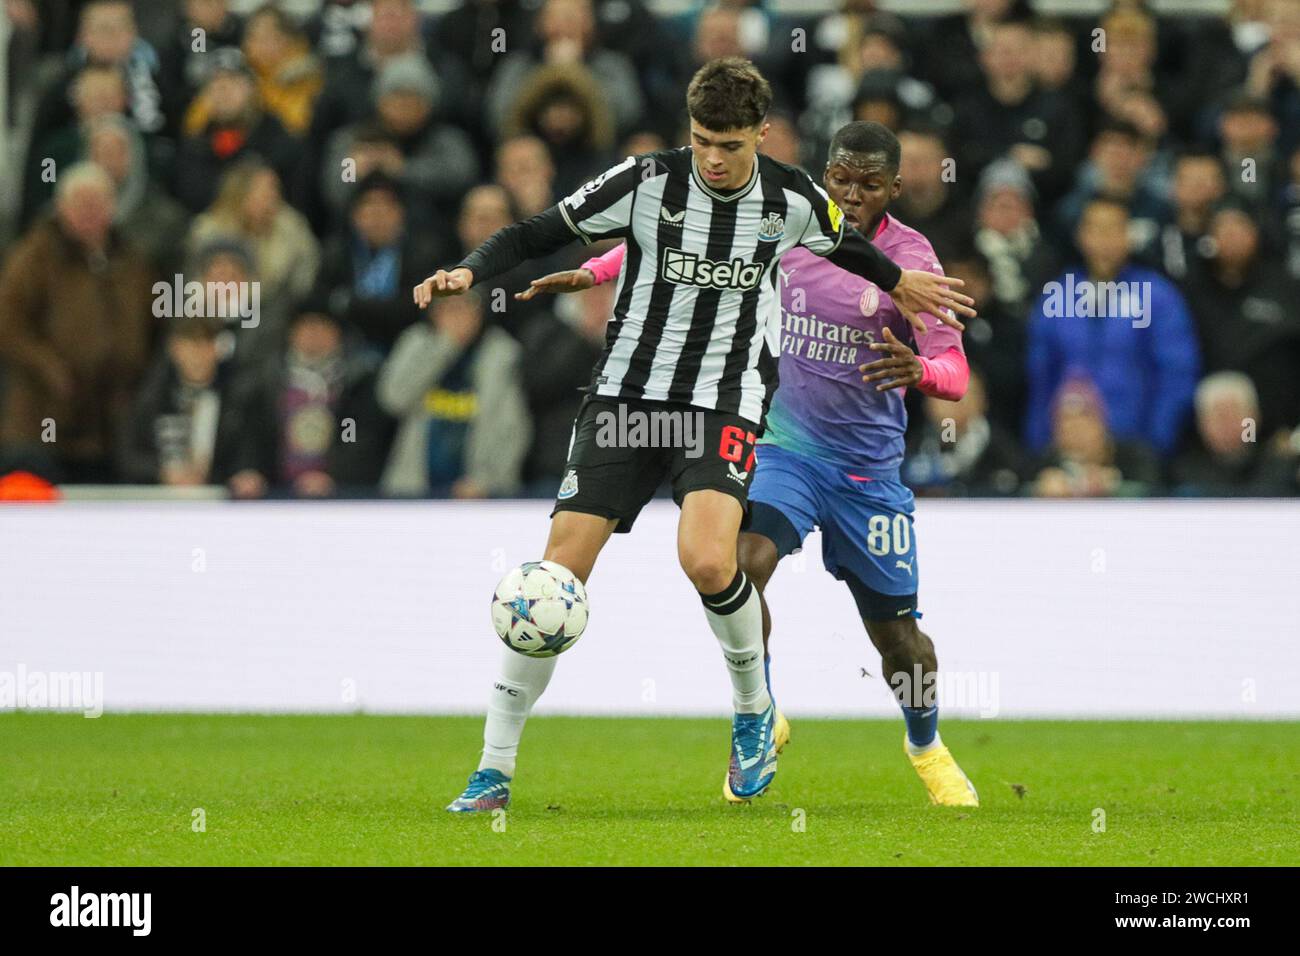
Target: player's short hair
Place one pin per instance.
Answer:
(728, 93)
(865, 137)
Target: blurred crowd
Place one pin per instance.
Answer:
(323, 161)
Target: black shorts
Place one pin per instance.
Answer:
(623, 449)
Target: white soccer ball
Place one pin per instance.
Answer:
(540, 609)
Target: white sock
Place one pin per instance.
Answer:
(736, 618)
(521, 681)
(916, 751)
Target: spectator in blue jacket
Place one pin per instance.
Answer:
(1125, 327)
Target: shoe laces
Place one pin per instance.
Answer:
(749, 734)
(481, 781)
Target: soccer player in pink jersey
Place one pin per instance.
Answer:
(832, 444)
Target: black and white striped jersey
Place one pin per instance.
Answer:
(697, 299)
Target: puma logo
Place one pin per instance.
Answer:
(785, 276)
(907, 565)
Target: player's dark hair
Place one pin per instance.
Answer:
(728, 93)
(870, 138)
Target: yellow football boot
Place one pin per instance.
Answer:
(943, 779)
(781, 731)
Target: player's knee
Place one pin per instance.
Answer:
(757, 557)
(710, 569)
(578, 560)
(576, 540)
(893, 636)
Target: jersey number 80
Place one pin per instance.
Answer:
(878, 534)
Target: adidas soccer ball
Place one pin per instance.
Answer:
(540, 609)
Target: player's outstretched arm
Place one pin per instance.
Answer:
(570, 280)
(506, 248)
(595, 271)
(914, 291)
(598, 210)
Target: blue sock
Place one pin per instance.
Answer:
(922, 725)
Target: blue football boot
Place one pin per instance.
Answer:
(488, 790)
(753, 756)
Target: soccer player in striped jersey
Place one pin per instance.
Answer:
(705, 228)
(834, 438)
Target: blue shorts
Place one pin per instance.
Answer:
(866, 525)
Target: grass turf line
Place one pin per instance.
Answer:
(369, 790)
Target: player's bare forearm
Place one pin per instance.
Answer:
(571, 280)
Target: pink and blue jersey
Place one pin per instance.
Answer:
(822, 408)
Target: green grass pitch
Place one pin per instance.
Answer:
(368, 790)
